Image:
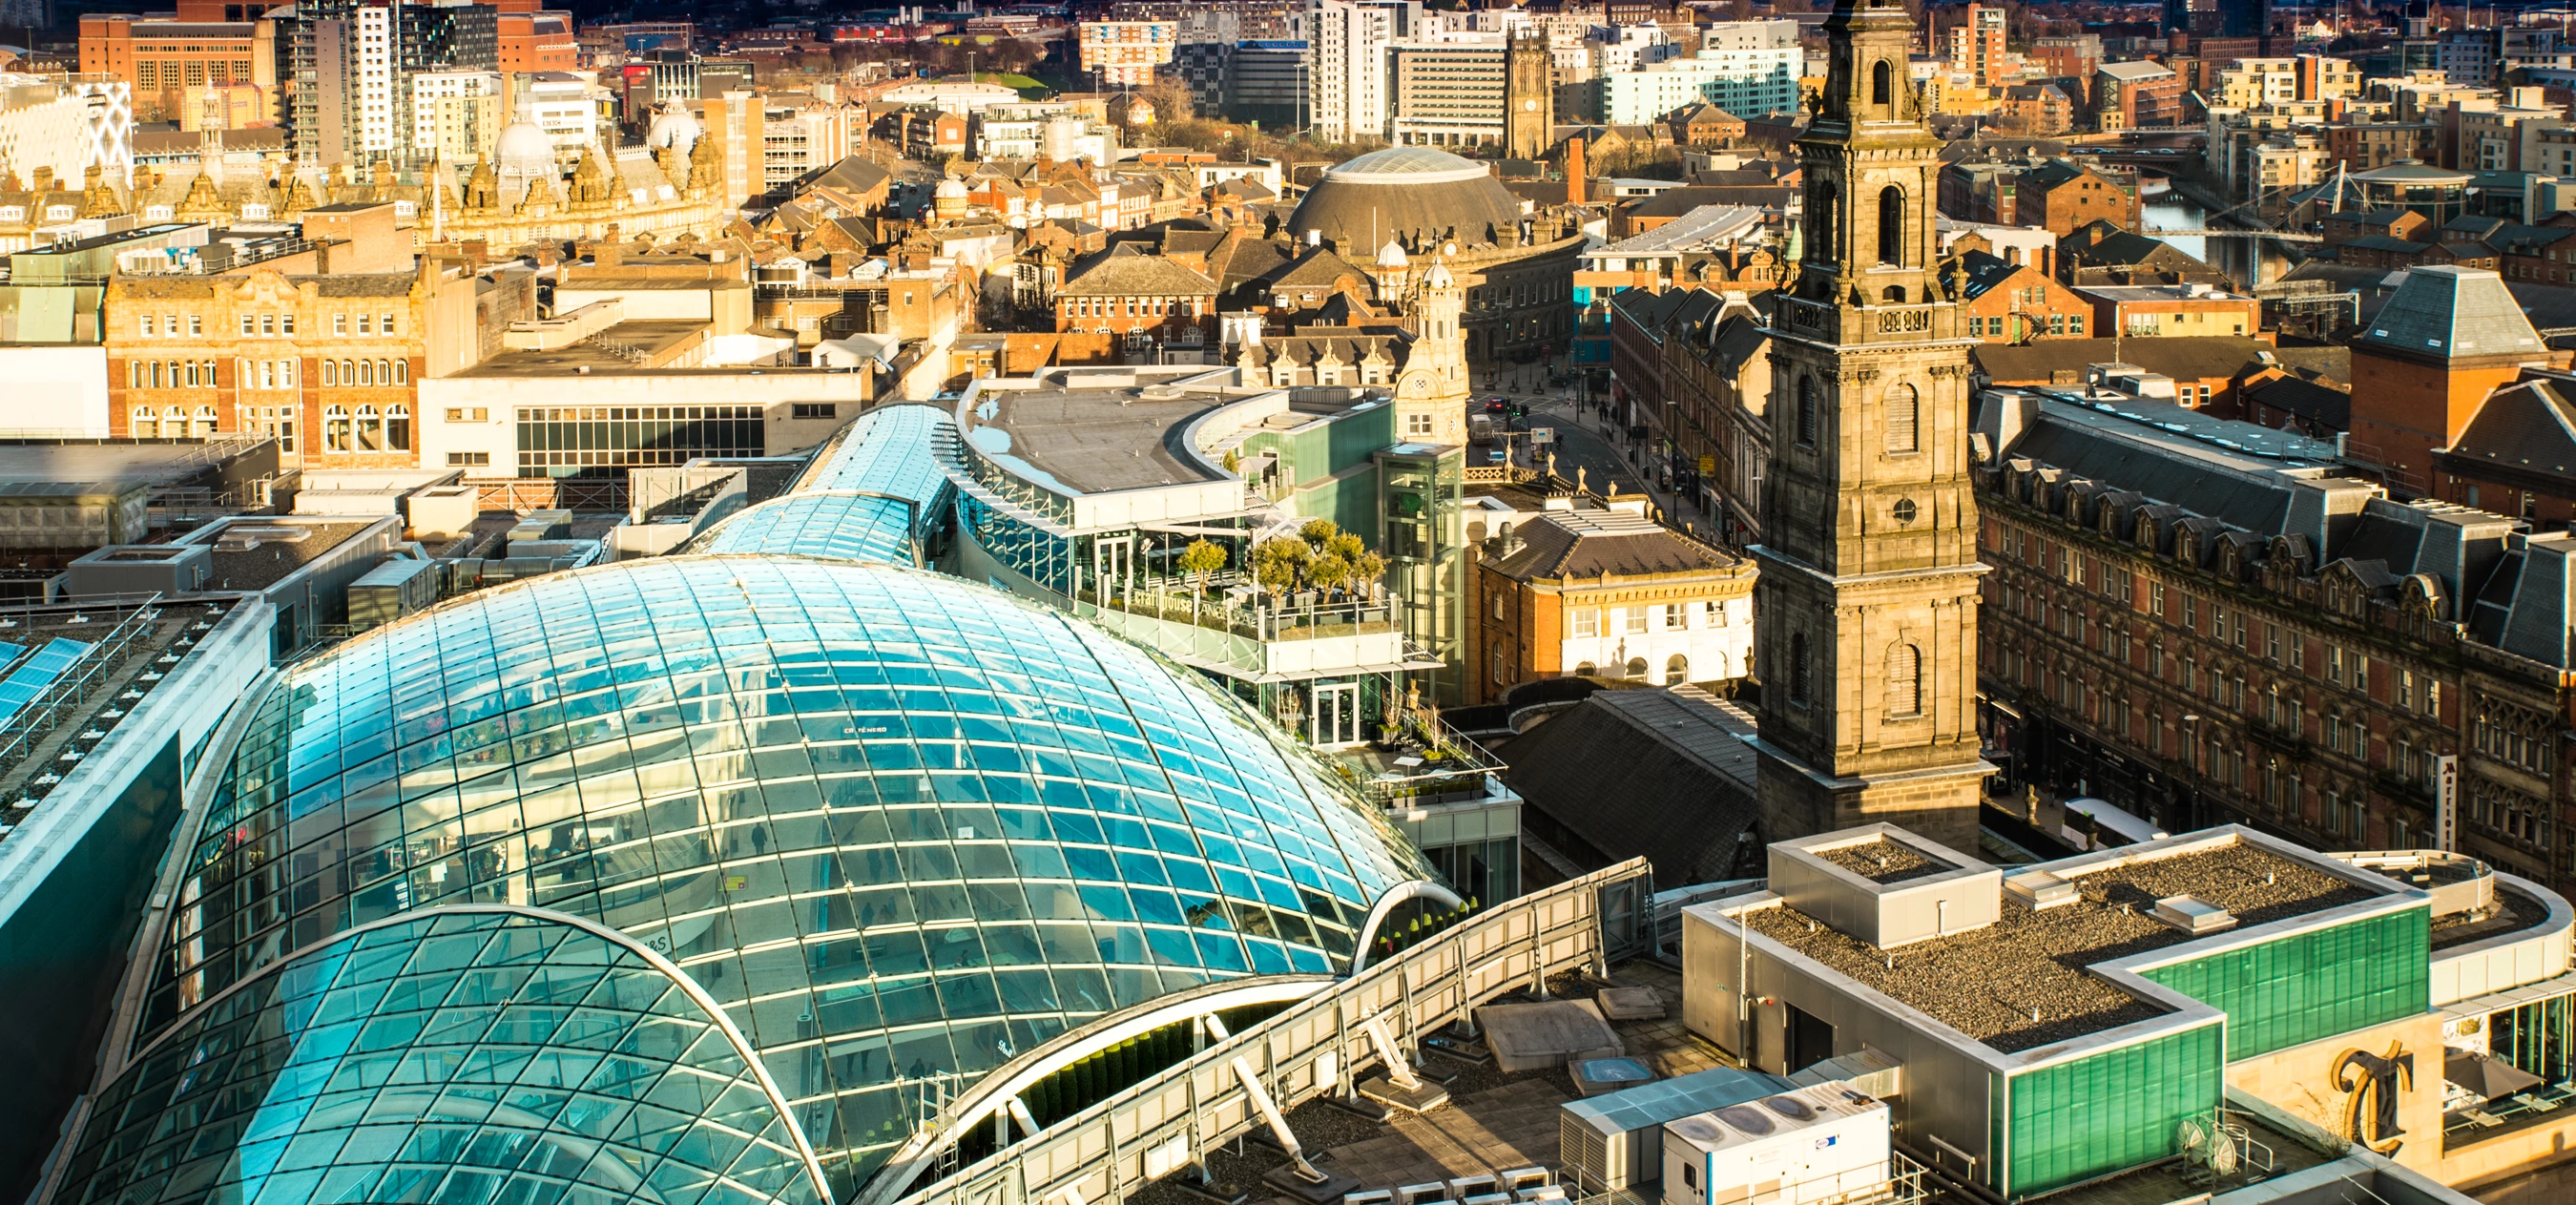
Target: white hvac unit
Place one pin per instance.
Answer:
(1809, 1146)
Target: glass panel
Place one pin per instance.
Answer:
(2108, 1111)
(2315, 984)
(439, 1058)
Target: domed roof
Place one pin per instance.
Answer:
(903, 815)
(523, 150)
(1392, 255)
(673, 126)
(952, 188)
(1408, 193)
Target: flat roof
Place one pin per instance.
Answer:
(1884, 861)
(651, 336)
(1093, 440)
(168, 627)
(37, 462)
(1986, 983)
(277, 555)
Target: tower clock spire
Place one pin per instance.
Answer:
(1868, 593)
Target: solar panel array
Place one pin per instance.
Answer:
(37, 673)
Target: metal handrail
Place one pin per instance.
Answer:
(1306, 1050)
(42, 714)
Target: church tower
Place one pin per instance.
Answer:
(1868, 595)
(1529, 96)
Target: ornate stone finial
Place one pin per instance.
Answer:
(1580, 473)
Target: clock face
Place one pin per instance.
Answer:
(1530, 105)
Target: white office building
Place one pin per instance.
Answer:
(1747, 68)
(562, 104)
(1351, 75)
(455, 114)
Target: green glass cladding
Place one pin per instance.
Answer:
(472, 1058)
(2108, 1111)
(901, 826)
(2316, 984)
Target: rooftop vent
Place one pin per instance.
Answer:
(244, 539)
(2193, 915)
(1160, 393)
(2040, 889)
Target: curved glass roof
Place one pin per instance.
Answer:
(899, 825)
(894, 450)
(852, 503)
(842, 524)
(470, 1057)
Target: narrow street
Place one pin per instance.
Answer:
(1585, 441)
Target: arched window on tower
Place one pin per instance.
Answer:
(1807, 410)
(1904, 680)
(1882, 83)
(1891, 224)
(1903, 415)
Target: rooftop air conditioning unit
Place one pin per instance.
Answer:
(1808, 1146)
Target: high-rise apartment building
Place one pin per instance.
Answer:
(1124, 54)
(1348, 43)
(455, 114)
(1977, 46)
(348, 66)
(1747, 68)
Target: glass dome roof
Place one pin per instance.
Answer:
(899, 825)
(466, 1057)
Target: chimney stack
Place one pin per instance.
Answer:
(1575, 172)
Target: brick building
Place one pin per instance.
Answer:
(2208, 625)
(2517, 455)
(2006, 302)
(1605, 591)
(2064, 196)
(165, 57)
(326, 363)
(2437, 347)
(2142, 93)
(2154, 311)
(1129, 291)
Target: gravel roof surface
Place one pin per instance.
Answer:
(1986, 983)
(1883, 862)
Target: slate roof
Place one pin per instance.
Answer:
(2446, 313)
(2329, 408)
(2529, 428)
(2551, 309)
(1127, 269)
(1666, 775)
(1592, 544)
(2182, 357)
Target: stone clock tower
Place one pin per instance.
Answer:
(1529, 97)
(1868, 596)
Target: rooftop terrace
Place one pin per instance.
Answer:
(2023, 981)
(1093, 440)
